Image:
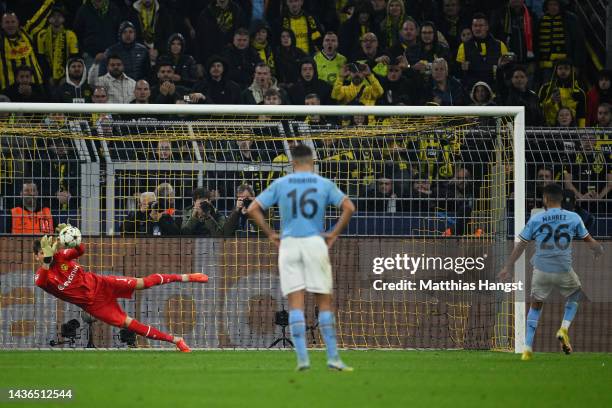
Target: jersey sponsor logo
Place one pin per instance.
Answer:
(73, 273)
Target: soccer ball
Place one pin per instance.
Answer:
(70, 237)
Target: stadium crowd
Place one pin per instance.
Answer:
(348, 52)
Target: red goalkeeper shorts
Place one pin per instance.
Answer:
(105, 307)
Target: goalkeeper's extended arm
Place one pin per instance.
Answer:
(49, 247)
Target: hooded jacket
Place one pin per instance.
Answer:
(489, 101)
(135, 56)
(72, 92)
(221, 92)
(241, 64)
(287, 62)
(183, 64)
(298, 92)
(96, 29)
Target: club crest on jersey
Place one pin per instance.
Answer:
(73, 272)
(64, 267)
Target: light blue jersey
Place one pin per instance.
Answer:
(553, 231)
(302, 199)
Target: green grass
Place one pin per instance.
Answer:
(266, 379)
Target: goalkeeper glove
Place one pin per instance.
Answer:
(49, 247)
(60, 227)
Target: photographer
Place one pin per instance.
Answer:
(136, 222)
(203, 219)
(238, 219)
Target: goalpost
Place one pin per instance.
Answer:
(401, 164)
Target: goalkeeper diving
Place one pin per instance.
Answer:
(553, 232)
(61, 276)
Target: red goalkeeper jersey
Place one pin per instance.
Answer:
(66, 279)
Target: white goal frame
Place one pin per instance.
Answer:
(516, 112)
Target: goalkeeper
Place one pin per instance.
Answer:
(61, 276)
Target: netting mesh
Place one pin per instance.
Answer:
(434, 186)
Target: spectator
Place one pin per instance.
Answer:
(163, 212)
(273, 96)
(241, 59)
(599, 93)
(456, 197)
(16, 49)
(356, 27)
(363, 88)
(429, 49)
(559, 36)
(217, 87)
(119, 86)
(569, 204)
(329, 61)
(589, 176)
(379, 12)
(309, 83)
(57, 45)
(135, 55)
(287, 57)
(216, 25)
(184, 65)
(482, 95)
(518, 94)
(305, 27)
(96, 25)
(544, 176)
(421, 196)
(407, 43)
(262, 82)
(99, 95)
(316, 120)
(142, 92)
(563, 90)
(452, 21)
(604, 116)
(139, 222)
(445, 90)
(75, 88)
(401, 89)
(238, 221)
(392, 23)
(371, 55)
(260, 41)
(202, 218)
(30, 218)
(565, 118)
(153, 23)
(382, 195)
(514, 25)
(167, 91)
(24, 89)
(480, 57)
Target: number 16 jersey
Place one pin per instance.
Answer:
(553, 231)
(302, 198)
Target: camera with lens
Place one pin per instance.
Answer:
(246, 202)
(69, 329)
(207, 207)
(281, 318)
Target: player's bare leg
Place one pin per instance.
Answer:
(297, 327)
(153, 333)
(327, 326)
(162, 279)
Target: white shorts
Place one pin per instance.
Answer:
(544, 282)
(303, 263)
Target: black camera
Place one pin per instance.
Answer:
(153, 205)
(207, 207)
(353, 68)
(69, 329)
(246, 202)
(281, 318)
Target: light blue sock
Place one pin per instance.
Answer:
(297, 325)
(327, 325)
(532, 324)
(571, 307)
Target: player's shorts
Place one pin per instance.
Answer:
(304, 263)
(544, 282)
(105, 307)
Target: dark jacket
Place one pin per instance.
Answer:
(225, 91)
(529, 99)
(481, 67)
(70, 92)
(135, 57)
(213, 38)
(301, 88)
(183, 64)
(179, 93)
(209, 227)
(287, 62)
(139, 223)
(453, 96)
(241, 64)
(96, 32)
(163, 27)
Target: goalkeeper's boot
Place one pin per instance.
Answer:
(182, 346)
(527, 355)
(198, 277)
(564, 339)
(338, 365)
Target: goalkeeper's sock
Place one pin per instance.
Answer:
(532, 324)
(571, 307)
(327, 325)
(160, 279)
(297, 324)
(149, 331)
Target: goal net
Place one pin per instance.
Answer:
(158, 189)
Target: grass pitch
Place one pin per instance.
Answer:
(266, 379)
